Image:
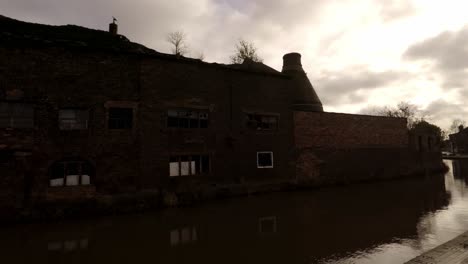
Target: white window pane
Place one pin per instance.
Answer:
(193, 114)
(186, 235)
(174, 169)
(174, 237)
(194, 234)
(85, 180)
(192, 167)
(71, 180)
(70, 245)
(56, 182)
(184, 168)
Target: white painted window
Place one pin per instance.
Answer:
(267, 224)
(73, 119)
(185, 165)
(264, 159)
(187, 118)
(70, 173)
(183, 236)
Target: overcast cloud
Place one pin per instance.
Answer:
(357, 53)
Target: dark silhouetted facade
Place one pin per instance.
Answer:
(86, 112)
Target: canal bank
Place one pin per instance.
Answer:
(453, 252)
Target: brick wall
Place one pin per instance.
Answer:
(335, 148)
(342, 131)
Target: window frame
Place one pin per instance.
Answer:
(179, 116)
(260, 115)
(10, 115)
(65, 168)
(84, 112)
(122, 120)
(204, 169)
(258, 160)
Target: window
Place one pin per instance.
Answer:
(16, 115)
(73, 119)
(71, 173)
(262, 122)
(267, 224)
(179, 118)
(6, 156)
(185, 165)
(265, 159)
(183, 236)
(120, 118)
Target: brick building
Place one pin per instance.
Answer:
(85, 112)
(459, 141)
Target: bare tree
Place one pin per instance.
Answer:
(456, 123)
(403, 109)
(200, 55)
(178, 40)
(245, 50)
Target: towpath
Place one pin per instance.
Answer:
(453, 252)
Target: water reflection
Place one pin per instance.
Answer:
(370, 223)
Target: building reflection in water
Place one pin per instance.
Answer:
(267, 225)
(183, 236)
(318, 225)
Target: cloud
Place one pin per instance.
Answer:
(443, 112)
(351, 86)
(396, 9)
(448, 53)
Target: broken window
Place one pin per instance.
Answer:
(16, 115)
(262, 122)
(71, 173)
(185, 165)
(120, 118)
(73, 119)
(265, 159)
(178, 118)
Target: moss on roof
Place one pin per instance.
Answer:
(23, 34)
(16, 34)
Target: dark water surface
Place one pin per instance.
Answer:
(388, 222)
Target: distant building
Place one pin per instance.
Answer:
(459, 141)
(86, 112)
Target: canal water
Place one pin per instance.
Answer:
(389, 222)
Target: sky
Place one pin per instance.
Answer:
(358, 54)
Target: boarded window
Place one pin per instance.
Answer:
(71, 173)
(16, 115)
(178, 118)
(120, 118)
(186, 165)
(262, 122)
(73, 119)
(265, 159)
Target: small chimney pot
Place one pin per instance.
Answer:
(113, 28)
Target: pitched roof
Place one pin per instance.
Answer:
(23, 34)
(15, 33)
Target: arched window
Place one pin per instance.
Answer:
(71, 172)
